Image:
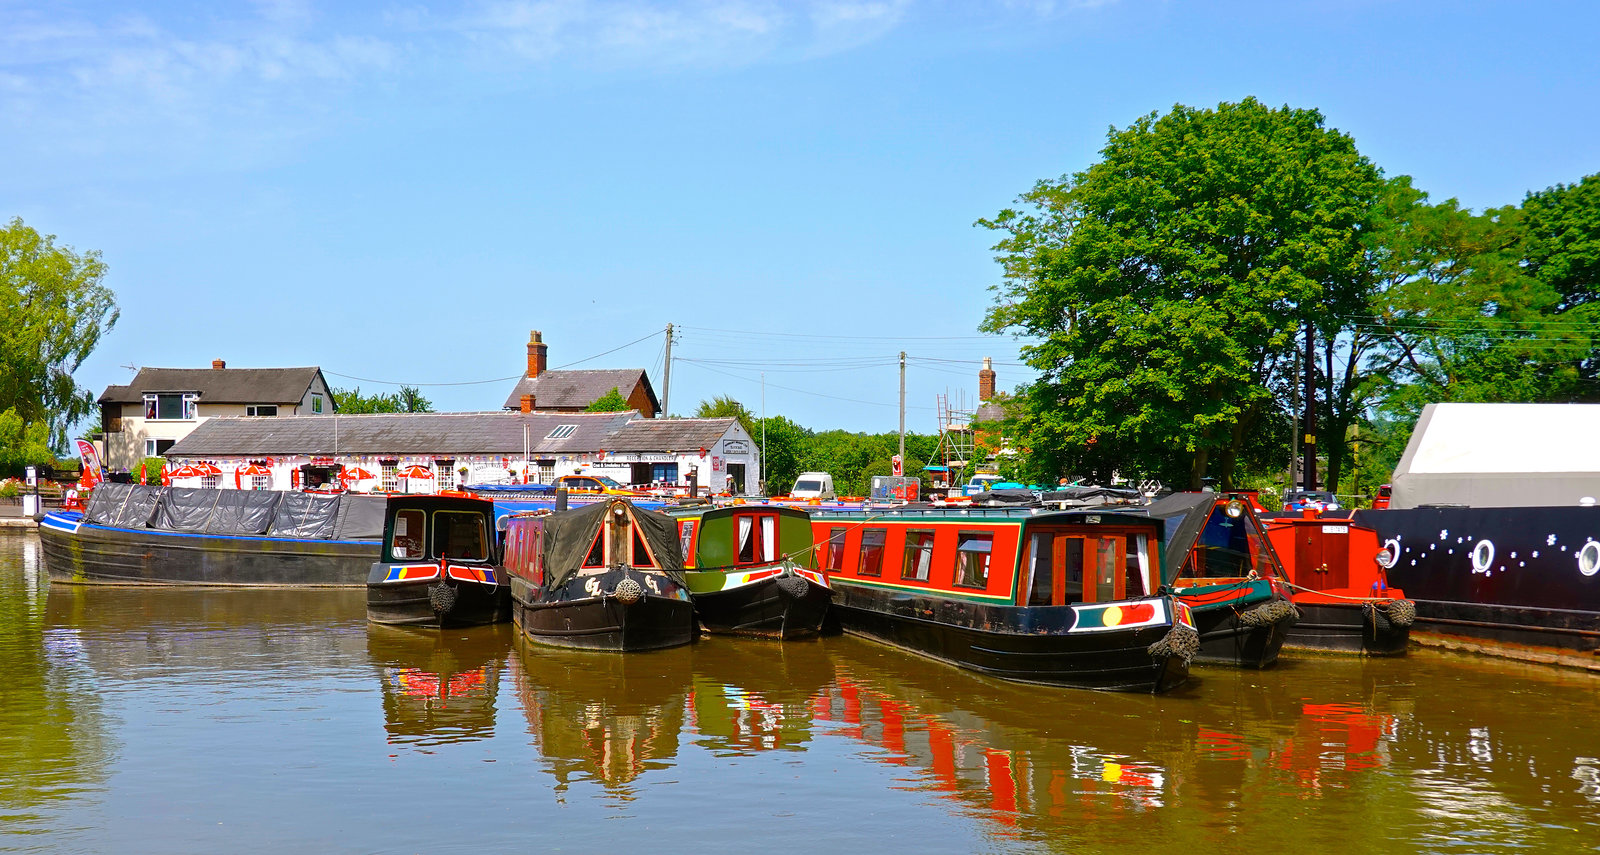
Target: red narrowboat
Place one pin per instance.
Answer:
(1336, 568)
(1066, 598)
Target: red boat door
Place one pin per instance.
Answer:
(1322, 555)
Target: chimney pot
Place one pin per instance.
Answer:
(218, 364)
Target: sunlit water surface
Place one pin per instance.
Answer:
(278, 721)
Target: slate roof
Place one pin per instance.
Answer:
(567, 389)
(399, 434)
(668, 434)
(219, 385)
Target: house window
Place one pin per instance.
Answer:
(918, 556)
(664, 472)
(972, 559)
(547, 471)
(444, 474)
(261, 410)
(169, 406)
(157, 447)
(316, 402)
(562, 432)
(872, 541)
(211, 482)
(387, 479)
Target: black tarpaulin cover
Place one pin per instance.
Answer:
(242, 512)
(305, 515)
(139, 507)
(569, 534)
(1184, 516)
(185, 508)
(360, 517)
(105, 502)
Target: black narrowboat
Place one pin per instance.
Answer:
(1219, 561)
(607, 576)
(1066, 598)
(751, 571)
(438, 567)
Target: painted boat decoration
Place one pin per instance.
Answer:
(607, 576)
(750, 571)
(439, 565)
(131, 534)
(1335, 568)
(1522, 582)
(1065, 598)
(1219, 561)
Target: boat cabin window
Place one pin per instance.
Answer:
(597, 552)
(460, 534)
(918, 556)
(972, 559)
(409, 532)
(872, 541)
(833, 558)
(641, 552)
(1055, 563)
(757, 538)
(686, 539)
(1228, 548)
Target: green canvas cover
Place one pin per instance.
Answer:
(569, 534)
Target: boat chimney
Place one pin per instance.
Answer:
(218, 365)
(986, 380)
(537, 359)
(527, 403)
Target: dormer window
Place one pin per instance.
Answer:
(170, 406)
(562, 432)
(316, 403)
(261, 410)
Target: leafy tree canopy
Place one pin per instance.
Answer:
(1163, 287)
(610, 402)
(408, 400)
(724, 406)
(53, 310)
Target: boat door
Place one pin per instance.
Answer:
(1064, 565)
(1322, 555)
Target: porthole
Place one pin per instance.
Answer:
(1589, 558)
(1482, 556)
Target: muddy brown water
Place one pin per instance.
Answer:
(135, 720)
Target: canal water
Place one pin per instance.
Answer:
(181, 721)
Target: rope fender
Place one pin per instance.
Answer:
(1180, 641)
(1269, 613)
(442, 597)
(1401, 613)
(628, 591)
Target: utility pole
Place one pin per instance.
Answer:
(1294, 432)
(666, 375)
(761, 462)
(1310, 473)
(902, 407)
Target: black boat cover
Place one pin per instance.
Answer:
(237, 512)
(569, 534)
(1184, 517)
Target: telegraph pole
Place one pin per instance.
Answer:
(902, 407)
(1310, 473)
(666, 375)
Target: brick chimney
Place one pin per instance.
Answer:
(218, 365)
(537, 359)
(986, 380)
(527, 403)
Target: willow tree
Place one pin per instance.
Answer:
(53, 310)
(1163, 288)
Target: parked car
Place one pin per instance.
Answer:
(1316, 500)
(813, 485)
(1381, 500)
(977, 485)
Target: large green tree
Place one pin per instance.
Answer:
(1163, 288)
(408, 400)
(53, 311)
(610, 402)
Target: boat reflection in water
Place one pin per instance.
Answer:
(439, 686)
(757, 697)
(600, 719)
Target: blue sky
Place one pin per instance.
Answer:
(400, 192)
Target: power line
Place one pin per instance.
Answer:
(496, 379)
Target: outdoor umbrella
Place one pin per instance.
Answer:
(356, 473)
(187, 470)
(248, 471)
(415, 471)
(208, 468)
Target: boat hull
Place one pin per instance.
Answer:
(780, 606)
(82, 553)
(434, 602)
(1243, 625)
(1354, 627)
(1502, 579)
(603, 623)
(1032, 645)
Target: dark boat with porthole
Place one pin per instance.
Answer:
(607, 576)
(438, 567)
(1065, 598)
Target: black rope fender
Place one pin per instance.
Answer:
(1401, 613)
(1180, 641)
(1269, 613)
(442, 597)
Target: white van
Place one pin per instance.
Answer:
(813, 485)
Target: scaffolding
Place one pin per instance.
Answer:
(953, 456)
